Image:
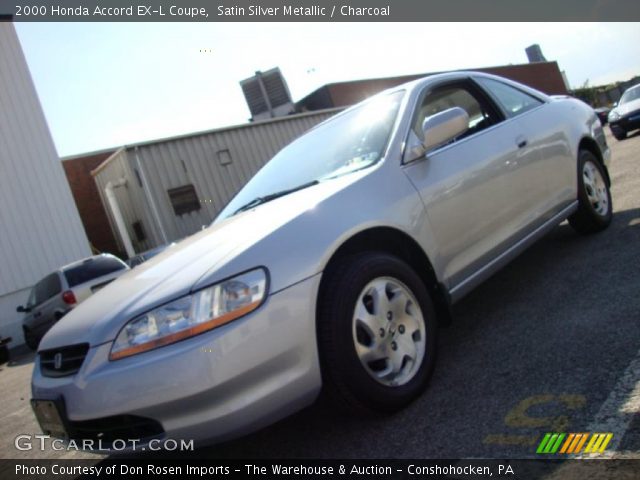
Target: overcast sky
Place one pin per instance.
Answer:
(109, 84)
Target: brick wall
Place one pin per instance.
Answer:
(85, 193)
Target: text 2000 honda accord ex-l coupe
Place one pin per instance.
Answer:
(331, 268)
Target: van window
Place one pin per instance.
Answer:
(90, 269)
(46, 288)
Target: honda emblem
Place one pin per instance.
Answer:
(57, 361)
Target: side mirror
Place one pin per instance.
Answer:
(21, 309)
(444, 126)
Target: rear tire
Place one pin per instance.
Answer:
(376, 334)
(619, 135)
(4, 354)
(594, 197)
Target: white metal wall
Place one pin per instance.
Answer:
(131, 200)
(196, 160)
(40, 228)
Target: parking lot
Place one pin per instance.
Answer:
(549, 344)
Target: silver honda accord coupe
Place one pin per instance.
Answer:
(331, 270)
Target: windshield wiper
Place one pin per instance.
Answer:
(267, 198)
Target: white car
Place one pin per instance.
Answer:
(331, 269)
(625, 117)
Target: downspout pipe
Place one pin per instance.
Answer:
(117, 214)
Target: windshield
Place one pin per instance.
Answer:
(349, 142)
(630, 95)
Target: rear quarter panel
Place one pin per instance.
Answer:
(577, 121)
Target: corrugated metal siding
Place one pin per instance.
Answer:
(194, 160)
(130, 199)
(39, 222)
(249, 149)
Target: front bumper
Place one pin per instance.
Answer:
(631, 121)
(212, 387)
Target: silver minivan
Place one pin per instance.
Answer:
(57, 293)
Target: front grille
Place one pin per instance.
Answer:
(63, 361)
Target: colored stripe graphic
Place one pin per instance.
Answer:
(556, 446)
(543, 443)
(583, 439)
(550, 443)
(567, 443)
(598, 442)
(605, 442)
(555, 443)
(579, 438)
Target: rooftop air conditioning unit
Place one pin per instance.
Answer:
(267, 95)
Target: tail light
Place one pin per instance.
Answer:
(69, 298)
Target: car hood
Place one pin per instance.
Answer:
(189, 265)
(626, 108)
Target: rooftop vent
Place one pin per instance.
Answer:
(267, 95)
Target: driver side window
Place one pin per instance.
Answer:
(455, 95)
(31, 302)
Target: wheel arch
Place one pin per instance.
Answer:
(589, 144)
(395, 242)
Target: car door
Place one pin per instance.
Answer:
(48, 301)
(465, 184)
(543, 179)
(28, 319)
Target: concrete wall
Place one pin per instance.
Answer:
(39, 221)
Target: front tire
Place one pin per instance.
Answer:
(376, 334)
(31, 340)
(620, 135)
(594, 197)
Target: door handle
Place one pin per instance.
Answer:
(521, 142)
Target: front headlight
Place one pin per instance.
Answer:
(613, 116)
(192, 315)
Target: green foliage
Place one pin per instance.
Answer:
(586, 94)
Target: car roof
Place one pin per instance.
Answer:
(408, 86)
(420, 83)
(77, 263)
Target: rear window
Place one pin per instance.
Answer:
(514, 101)
(91, 269)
